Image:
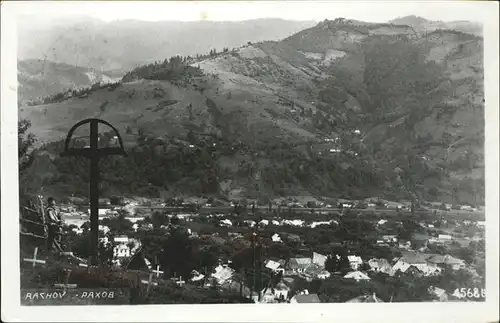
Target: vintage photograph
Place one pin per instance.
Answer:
(184, 158)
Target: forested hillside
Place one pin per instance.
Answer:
(345, 108)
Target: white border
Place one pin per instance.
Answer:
(407, 312)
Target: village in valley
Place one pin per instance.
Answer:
(287, 252)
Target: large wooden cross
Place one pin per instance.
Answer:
(94, 153)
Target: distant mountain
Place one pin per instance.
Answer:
(422, 25)
(40, 78)
(125, 44)
(344, 108)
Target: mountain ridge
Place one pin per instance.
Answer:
(385, 94)
(119, 45)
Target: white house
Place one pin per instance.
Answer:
(267, 296)
(225, 223)
(444, 237)
(121, 239)
(315, 224)
(276, 238)
(390, 238)
(355, 261)
(296, 223)
(319, 259)
(380, 265)
(357, 275)
(223, 273)
(196, 276)
(281, 291)
(297, 265)
(275, 266)
(121, 251)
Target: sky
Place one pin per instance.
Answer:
(375, 11)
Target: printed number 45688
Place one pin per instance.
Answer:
(472, 292)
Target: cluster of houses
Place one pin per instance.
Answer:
(310, 268)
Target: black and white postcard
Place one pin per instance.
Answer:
(250, 161)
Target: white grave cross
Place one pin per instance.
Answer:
(66, 285)
(34, 260)
(149, 282)
(157, 271)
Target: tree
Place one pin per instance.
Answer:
(25, 145)
(158, 219)
(191, 138)
(331, 264)
(364, 267)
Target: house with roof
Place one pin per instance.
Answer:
(355, 261)
(121, 251)
(276, 238)
(390, 238)
(305, 298)
(275, 266)
(196, 276)
(417, 259)
(445, 238)
(447, 260)
(380, 265)
(296, 266)
(366, 299)
(439, 294)
(223, 274)
(314, 271)
(409, 270)
(295, 222)
(125, 247)
(225, 223)
(318, 223)
(319, 259)
(357, 275)
(281, 291)
(267, 296)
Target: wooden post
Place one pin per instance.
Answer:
(42, 212)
